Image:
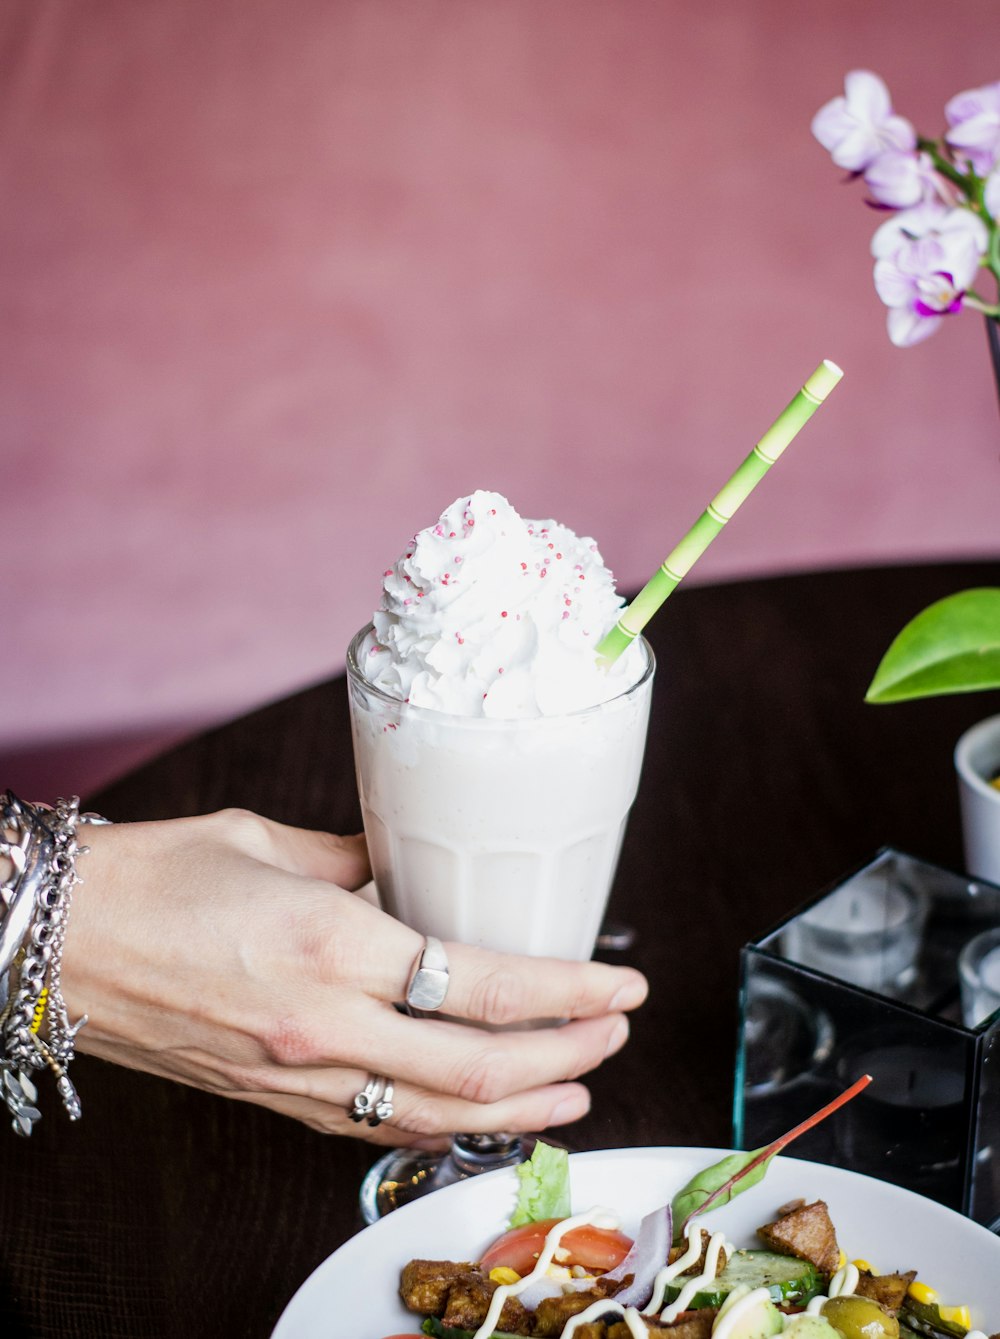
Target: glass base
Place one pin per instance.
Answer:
(406, 1174)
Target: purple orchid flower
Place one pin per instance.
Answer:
(925, 260)
(991, 193)
(899, 180)
(974, 121)
(859, 127)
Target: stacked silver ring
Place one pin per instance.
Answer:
(374, 1102)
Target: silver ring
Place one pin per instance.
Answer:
(374, 1102)
(428, 984)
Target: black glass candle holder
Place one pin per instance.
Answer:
(864, 979)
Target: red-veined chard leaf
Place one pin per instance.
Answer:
(724, 1180)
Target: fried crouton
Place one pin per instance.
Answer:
(469, 1298)
(698, 1267)
(695, 1324)
(886, 1289)
(807, 1233)
(425, 1283)
(552, 1313)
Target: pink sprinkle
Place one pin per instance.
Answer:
(420, 594)
(500, 669)
(458, 557)
(567, 601)
(542, 572)
(551, 546)
(407, 600)
(461, 640)
(451, 535)
(493, 511)
(558, 555)
(503, 613)
(524, 567)
(387, 572)
(565, 613)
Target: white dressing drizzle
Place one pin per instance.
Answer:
(735, 1306)
(715, 1244)
(843, 1284)
(596, 1217)
(602, 1307)
(668, 1273)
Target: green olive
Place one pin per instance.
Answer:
(860, 1318)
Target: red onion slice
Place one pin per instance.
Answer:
(646, 1258)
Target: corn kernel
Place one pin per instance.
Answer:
(504, 1274)
(958, 1315)
(841, 1259)
(921, 1293)
(865, 1267)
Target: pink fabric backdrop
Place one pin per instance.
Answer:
(279, 280)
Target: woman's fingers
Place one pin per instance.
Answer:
(325, 1097)
(313, 855)
(497, 988)
(484, 1067)
(360, 944)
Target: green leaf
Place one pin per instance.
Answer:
(737, 1172)
(544, 1188)
(952, 646)
(717, 1185)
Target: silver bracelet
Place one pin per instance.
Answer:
(40, 841)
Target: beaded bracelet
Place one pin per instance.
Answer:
(40, 842)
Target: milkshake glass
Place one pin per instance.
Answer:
(503, 833)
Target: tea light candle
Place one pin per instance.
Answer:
(908, 1127)
(866, 933)
(979, 974)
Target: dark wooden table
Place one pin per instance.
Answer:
(167, 1212)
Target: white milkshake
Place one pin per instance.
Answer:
(496, 760)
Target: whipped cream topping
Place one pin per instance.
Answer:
(487, 614)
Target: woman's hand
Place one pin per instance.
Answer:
(231, 953)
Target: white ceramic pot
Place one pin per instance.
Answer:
(977, 760)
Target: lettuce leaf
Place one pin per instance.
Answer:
(544, 1188)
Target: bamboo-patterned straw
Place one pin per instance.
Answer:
(680, 560)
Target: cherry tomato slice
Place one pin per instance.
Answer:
(597, 1248)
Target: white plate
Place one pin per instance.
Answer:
(355, 1290)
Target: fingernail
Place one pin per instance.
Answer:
(618, 1038)
(570, 1108)
(629, 996)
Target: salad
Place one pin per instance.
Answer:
(556, 1274)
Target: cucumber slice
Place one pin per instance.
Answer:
(786, 1278)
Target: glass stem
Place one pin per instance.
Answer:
(474, 1153)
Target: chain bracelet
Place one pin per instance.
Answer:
(41, 843)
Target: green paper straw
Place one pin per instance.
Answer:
(679, 562)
